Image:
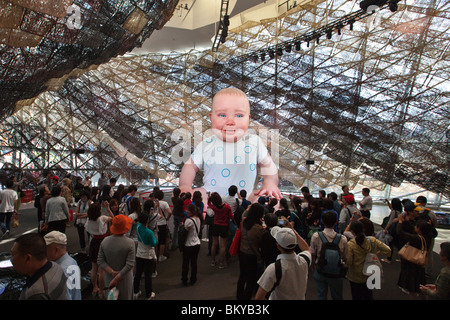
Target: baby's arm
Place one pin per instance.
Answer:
(269, 172)
(187, 176)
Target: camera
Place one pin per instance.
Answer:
(281, 222)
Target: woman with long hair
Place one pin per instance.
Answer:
(250, 259)
(358, 248)
(222, 216)
(416, 232)
(396, 208)
(191, 249)
(97, 226)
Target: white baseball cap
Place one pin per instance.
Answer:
(285, 237)
(55, 237)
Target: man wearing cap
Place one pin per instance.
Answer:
(45, 279)
(347, 212)
(294, 267)
(56, 243)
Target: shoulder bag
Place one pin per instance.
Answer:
(414, 255)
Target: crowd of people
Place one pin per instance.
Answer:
(280, 243)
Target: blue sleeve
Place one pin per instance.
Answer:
(146, 236)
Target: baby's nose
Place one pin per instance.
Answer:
(230, 121)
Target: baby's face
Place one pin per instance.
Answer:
(230, 117)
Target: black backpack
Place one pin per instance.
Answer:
(330, 262)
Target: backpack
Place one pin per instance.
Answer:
(370, 260)
(124, 207)
(330, 263)
(425, 215)
(278, 275)
(182, 234)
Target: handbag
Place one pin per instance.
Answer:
(234, 247)
(15, 221)
(112, 294)
(414, 255)
(209, 217)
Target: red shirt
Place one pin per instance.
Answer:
(222, 215)
(186, 203)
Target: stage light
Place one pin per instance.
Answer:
(329, 34)
(263, 56)
(297, 45)
(279, 52)
(351, 22)
(339, 31)
(271, 54)
(288, 47)
(393, 5)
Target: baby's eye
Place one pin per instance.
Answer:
(222, 115)
(239, 116)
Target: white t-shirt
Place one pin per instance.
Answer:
(366, 203)
(164, 206)
(97, 227)
(229, 163)
(294, 277)
(232, 202)
(8, 198)
(192, 238)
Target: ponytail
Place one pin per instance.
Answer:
(358, 229)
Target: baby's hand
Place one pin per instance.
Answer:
(269, 190)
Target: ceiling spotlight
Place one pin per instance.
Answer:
(339, 31)
(317, 40)
(263, 56)
(393, 5)
(329, 34)
(351, 22)
(288, 47)
(254, 58)
(297, 45)
(271, 54)
(279, 52)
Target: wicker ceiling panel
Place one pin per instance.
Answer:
(43, 42)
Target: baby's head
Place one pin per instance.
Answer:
(230, 114)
